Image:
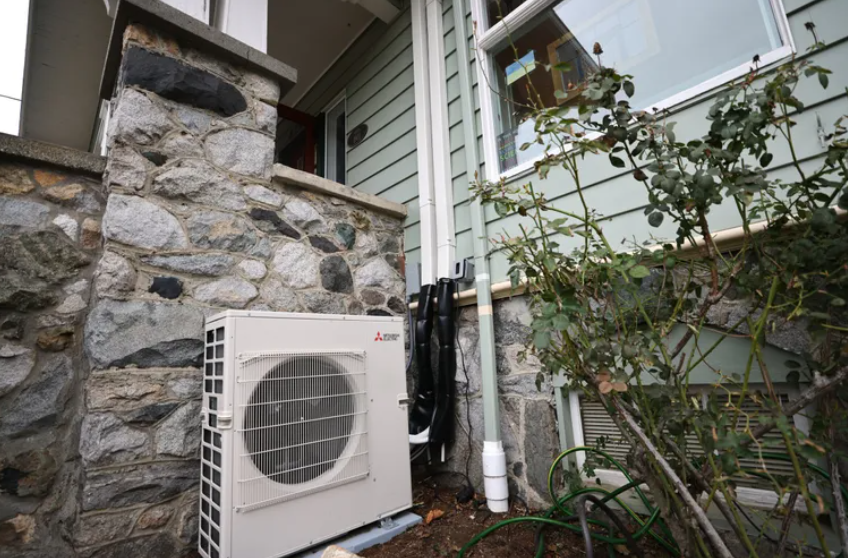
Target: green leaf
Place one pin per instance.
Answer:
(765, 160)
(514, 279)
(655, 219)
(640, 272)
(837, 302)
(629, 88)
(560, 322)
(823, 80)
(542, 340)
(617, 162)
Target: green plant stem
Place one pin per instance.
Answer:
(755, 342)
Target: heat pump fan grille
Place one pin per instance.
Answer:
(302, 421)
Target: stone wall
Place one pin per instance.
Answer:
(194, 223)
(49, 244)
(528, 417)
(528, 414)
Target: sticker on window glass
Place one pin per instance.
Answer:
(522, 67)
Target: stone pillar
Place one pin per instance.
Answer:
(194, 223)
(190, 140)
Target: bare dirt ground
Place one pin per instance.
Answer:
(446, 534)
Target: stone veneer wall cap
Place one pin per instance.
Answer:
(168, 19)
(309, 181)
(33, 151)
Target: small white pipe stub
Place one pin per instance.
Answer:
(494, 475)
(421, 437)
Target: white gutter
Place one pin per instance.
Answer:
(443, 187)
(423, 137)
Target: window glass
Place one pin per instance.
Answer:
(667, 45)
(10, 115)
(499, 9)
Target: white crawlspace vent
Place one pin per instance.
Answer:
(302, 423)
(304, 430)
(599, 431)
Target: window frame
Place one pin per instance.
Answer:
(340, 99)
(489, 37)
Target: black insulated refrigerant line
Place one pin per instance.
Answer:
(441, 430)
(425, 398)
(431, 419)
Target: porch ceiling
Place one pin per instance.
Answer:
(68, 42)
(310, 34)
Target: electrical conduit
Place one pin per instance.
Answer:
(424, 141)
(440, 140)
(494, 458)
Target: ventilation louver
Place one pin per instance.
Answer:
(600, 431)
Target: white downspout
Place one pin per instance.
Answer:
(494, 457)
(423, 137)
(443, 187)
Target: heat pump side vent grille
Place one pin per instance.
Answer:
(211, 462)
(301, 420)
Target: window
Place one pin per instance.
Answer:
(336, 147)
(674, 49)
(13, 30)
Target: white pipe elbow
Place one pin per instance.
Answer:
(494, 477)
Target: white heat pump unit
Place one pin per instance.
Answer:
(304, 430)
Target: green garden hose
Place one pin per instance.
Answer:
(664, 538)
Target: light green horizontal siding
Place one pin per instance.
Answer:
(460, 177)
(621, 200)
(376, 76)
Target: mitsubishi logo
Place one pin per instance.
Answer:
(387, 337)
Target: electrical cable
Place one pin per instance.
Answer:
(467, 400)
